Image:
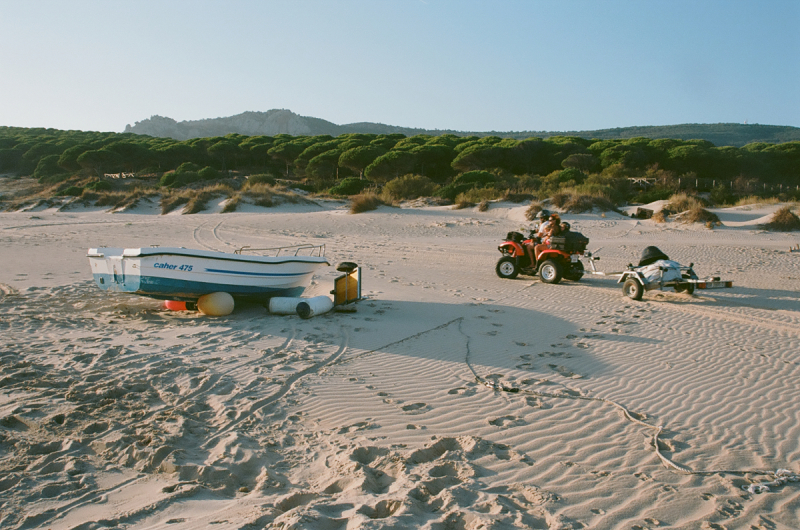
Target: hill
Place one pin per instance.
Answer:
(283, 121)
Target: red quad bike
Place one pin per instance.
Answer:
(561, 260)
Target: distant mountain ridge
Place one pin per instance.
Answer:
(283, 121)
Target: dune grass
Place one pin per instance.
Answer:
(365, 202)
(783, 220)
(232, 204)
(681, 202)
(574, 202)
(698, 214)
(193, 200)
(118, 199)
(756, 200)
(534, 208)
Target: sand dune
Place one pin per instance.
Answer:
(450, 399)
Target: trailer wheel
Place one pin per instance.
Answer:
(507, 268)
(688, 288)
(633, 289)
(550, 272)
(575, 272)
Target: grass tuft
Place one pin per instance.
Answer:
(534, 208)
(365, 202)
(232, 204)
(573, 202)
(783, 220)
(698, 214)
(754, 199)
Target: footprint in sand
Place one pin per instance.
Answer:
(506, 421)
(564, 371)
(535, 402)
(462, 391)
(415, 408)
(360, 426)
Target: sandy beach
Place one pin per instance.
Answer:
(117, 413)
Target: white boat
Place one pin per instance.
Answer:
(177, 273)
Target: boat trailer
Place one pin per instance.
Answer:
(635, 283)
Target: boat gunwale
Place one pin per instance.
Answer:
(206, 254)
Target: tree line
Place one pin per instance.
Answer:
(445, 164)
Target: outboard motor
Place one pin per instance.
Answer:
(651, 255)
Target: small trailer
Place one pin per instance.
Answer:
(657, 271)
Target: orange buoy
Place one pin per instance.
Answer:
(175, 305)
(215, 304)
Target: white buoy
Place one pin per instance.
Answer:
(314, 306)
(215, 304)
(284, 305)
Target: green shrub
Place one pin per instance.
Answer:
(99, 185)
(349, 186)
(261, 179)
(517, 198)
(71, 191)
(408, 187)
(722, 195)
(477, 195)
(652, 195)
(451, 191)
(208, 173)
(167, 178)
(47, 167)
(188, 177)
(481, 178)
(187, 167)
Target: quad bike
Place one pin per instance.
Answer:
(561, 260)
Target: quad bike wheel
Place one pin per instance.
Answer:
(633, 289)
(575, 272)
(507, 268)
(550, 271)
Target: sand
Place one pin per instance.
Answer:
(116, 413)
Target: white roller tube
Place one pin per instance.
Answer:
(314, 306)
(284, 305)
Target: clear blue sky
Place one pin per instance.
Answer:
(545, 65)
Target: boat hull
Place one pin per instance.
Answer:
(184, 274)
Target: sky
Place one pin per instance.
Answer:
(465, 65)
